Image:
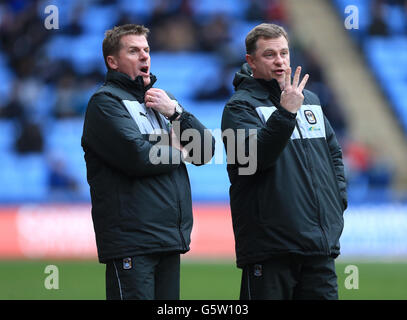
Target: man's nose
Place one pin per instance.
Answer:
(279, 60)
(144, 55)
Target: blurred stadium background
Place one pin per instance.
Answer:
(47, 77)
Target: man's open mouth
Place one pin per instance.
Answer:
(144, 70)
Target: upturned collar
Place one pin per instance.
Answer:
(135, 87)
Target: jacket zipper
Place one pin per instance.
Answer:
(158, 118)
(308, 165)
(180, 215)
(179, 207)
(179, 226)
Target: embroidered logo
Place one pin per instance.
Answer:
(309, 115)
(127, 263)
(314, 128)
(257, 270)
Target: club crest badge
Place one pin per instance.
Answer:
(258, 270)
(127, 263)
(309, 115)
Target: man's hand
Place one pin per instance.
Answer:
(159, 101)
(292, 97)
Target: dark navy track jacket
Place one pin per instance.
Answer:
(139, 205)
(294, 202)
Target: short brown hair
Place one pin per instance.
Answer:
(111, 43)
(264, 30)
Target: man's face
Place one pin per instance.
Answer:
(133, 58)
(270, 60)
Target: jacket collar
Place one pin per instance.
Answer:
(259, 88)
(135, 87)
(272, 88)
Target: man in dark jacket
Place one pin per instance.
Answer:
(139, 185)
(288, 215)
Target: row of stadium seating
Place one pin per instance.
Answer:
(29, 177)
(77, 42)
(385, 51)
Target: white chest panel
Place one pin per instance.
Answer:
(310, 121)
(145, 118)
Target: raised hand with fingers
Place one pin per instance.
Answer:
(292, 97)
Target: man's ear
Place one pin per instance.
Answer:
(112, 62)
(250, 61)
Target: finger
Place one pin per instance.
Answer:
(155, 91)
(303, 82)
(152, 97)
(151, 93)
(153, 105)
(287, 78)
(296, 77)
(149, 100)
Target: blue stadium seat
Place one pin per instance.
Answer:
(64, 142)
(64, 135)
(44, 104)
(7, 135)
(60, 47)
(240, 29)
(387, 57)
(395, 18)
(24, 178)
(87, 53)
(142, 9)
(209, 113)
(376, 51)
(6, 79)
(232, 8)
(182, 73)
(97, 19)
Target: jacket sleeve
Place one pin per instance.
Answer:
(336, 155)
(270, 138)
(196, 137)
(111, 133)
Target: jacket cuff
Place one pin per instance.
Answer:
(287, 113)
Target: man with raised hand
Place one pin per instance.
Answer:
(287, 215)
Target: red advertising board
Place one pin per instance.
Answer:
(66, 232)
